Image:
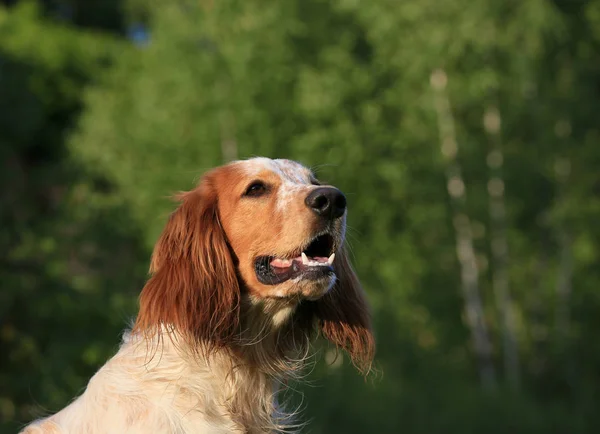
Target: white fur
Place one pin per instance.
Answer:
(159, 387)
(294, 177)
(287, 170)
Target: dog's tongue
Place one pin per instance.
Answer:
(304, 260)
(282, 263)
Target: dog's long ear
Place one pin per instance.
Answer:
(343, 315)
(193, 286)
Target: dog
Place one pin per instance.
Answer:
(250, 267)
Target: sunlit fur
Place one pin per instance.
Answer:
(212, 346)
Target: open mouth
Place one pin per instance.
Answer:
(315, 262)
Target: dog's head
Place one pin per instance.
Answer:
(257, 231)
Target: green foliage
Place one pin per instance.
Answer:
(70, 267)
(96, 133)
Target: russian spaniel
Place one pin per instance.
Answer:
(249, 267)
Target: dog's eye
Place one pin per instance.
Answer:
(256, 189)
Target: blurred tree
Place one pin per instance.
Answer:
(344, 86)
(70, 262)
(97, 14)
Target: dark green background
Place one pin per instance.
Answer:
(99, 123)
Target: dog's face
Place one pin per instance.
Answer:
(283, 226)
(266, 231)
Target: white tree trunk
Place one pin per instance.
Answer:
(564, 277)
(499, 244)
(564, 286)
(464, 237)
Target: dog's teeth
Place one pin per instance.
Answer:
(305, 260)
(331, 258)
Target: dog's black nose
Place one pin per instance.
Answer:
(327, 202)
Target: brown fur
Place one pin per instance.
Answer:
(194, 285)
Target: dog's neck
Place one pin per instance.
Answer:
(275, 335)
(220, 383)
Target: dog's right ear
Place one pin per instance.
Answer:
(193, 286)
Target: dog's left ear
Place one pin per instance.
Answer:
(344, 317)
(193, 286)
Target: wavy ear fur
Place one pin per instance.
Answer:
(193, 286)
(343, 315)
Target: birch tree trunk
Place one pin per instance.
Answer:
(464, 236)
(564, 278)
(564, 286)
(565, 265)
(499, 244)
